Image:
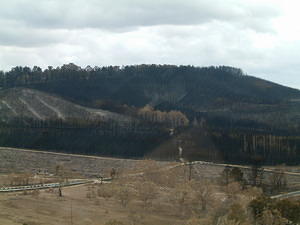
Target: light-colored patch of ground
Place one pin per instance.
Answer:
(17, 160)
(39, 105)
(58, 112)
(32, 110)
(9, 107)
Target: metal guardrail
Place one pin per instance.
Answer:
(286, 195)
(50, 185)
(42, 186)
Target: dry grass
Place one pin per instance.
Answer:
(87, 206)
(160, 197)
(20, 161)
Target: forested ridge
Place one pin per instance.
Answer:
(216, 113)
(136, 84)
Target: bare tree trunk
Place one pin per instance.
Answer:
(59, 192)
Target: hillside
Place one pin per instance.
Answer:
(191, 87)
(28, 103)
(215, 113)
(221, 92)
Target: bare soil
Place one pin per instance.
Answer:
(30, 161)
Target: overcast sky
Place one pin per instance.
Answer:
(260, 36)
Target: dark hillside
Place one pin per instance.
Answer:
(143, 84)
(222, 113)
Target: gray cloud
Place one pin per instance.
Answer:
(31, 23)
(121, 14)
(13, 34)
(239, 33)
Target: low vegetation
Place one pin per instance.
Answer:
(156, 196)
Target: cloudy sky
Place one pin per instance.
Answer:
(260, 36)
